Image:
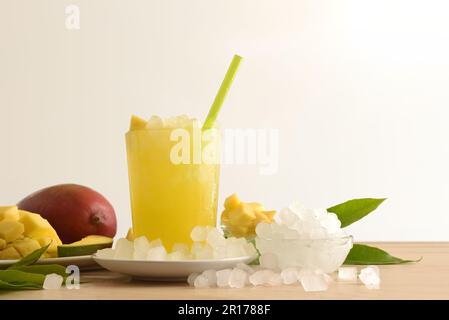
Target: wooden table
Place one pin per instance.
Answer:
(428, 279)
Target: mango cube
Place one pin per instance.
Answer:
(52, 249)
(2, 244)
(241, 219)
(137, 123)
(9, 253)
(26, 246)
(37, 227)
(9, 213)
(11, 230)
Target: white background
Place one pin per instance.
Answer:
(358, 90)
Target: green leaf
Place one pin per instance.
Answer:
(17, 277)
(353, 210)
(363, 255)
(18, 286)
(31, 258)
(44, 269)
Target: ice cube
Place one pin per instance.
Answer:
(269, 261)
(223, 277)
(157, 254)
(211, 276)
(245, 267)
(370, 276)
(261, 277)
(289, 276)
(124, 249)
(215, 238)
(141, 247)
(191, 278)
(205, 253)
(177, 256)
(237, 278)
(156, 243)
(220, 252)
(250, 250)
(313, 282)
(288, 217)
(347, 273)
(234, 249)
(155, 122)
(196, 248)
(107, 253)
(53, 281)
(275, 280)
(201, 282)
(199, 233)
(263, 230)
(181, 247)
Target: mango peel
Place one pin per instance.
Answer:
(241, 218)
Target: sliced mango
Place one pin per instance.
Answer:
(130, 234)
(2, 244)
(10, 213)
(9, 253)
(137, 123)
(52, 249)
(37, 227)
(10, 230)
(86, 246)
(25, 246)
(241, 218)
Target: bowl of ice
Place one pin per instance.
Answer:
(309, 239)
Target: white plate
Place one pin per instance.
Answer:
(166, 270)
(83, 262)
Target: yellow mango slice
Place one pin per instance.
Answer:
(9, 213)
(9, 253)
(241, 218)
(10, 230)
(130, 234)
(137, 123)
(26, 246)
(2, 244)
(37, 227)
(232, 202)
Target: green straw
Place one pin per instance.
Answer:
(222, 92)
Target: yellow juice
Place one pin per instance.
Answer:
(169, 199)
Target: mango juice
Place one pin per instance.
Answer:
(167, 198)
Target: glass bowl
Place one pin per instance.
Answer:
(326, 255)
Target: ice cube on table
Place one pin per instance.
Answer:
(347, 273)
(269, 261)
(275, 280)
(245, 267)
(313, 282)
(191, 278)
(237, 278)
(289, 276)
(124, 249)
(53, 281)
(141, 247)
(199, 233)
(261, 277)
(201, 282)
(223, 277)
(211, 276)
(157, 254)
(107, 253)
(370, 277)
